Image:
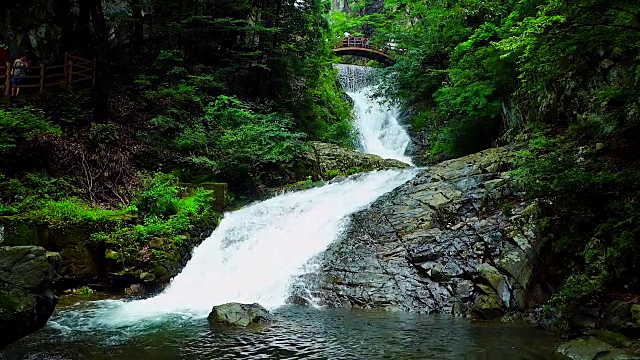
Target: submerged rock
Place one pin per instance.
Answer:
(236, 314)
(25, 302)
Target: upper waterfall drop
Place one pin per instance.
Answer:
(379, 131)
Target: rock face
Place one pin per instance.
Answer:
(236, 314)
(457, 239)
(101, 265)
(25, 302)
(332, 160)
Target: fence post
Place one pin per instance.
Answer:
(66, 63)
(70, 75)
(7, 79)
(41, 78)
(93, 80)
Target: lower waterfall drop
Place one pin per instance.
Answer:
(257, 250)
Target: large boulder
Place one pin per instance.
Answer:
(459, 238)
(25, 302)
(236, 314)
(105, 265)
(601, 345)
(334, 160)
(81, 261)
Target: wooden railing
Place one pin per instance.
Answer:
(75, 71)
(356, 41)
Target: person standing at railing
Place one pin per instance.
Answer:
(19, 70)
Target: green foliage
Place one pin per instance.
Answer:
(103, 133)
(165, 210)
(73, 211)
(472, 70)
(19, 125)
(230, 140)
(231, 100)
(22, 194)
(594, 212)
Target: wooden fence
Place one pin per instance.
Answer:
(356, 41)
(75, 71)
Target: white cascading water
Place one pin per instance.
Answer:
(379, 131)
(258, 251)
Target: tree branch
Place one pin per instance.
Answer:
(628, 27)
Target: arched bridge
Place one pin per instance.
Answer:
(360, 46)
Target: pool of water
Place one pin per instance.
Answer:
(298, 333)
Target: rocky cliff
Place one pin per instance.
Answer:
(26, 272)
(458, 238)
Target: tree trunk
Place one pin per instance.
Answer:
(102, 87)
(81, 42)
(138, 34)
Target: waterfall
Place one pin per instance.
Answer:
(379, 131)
(258, 252)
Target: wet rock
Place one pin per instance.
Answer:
(487, 304)
(587, 317)
(135, 289)
(617, 315)
(333, 160)
(430, 244)
(497, 280)
(585, 348)
(612, 338)
(635, 315)
(25, 302)
(80, 262)
(236, 314)
(602, 346)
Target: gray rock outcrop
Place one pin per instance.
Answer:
(25, 301)
(332, 160)
(236, 314)
(458, 238)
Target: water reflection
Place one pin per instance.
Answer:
(300, 333)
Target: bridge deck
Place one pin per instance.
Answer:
(356, 48)
(360, 46)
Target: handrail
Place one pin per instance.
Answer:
(64, 76)
(357, 41)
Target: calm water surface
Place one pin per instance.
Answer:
(299, 333)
